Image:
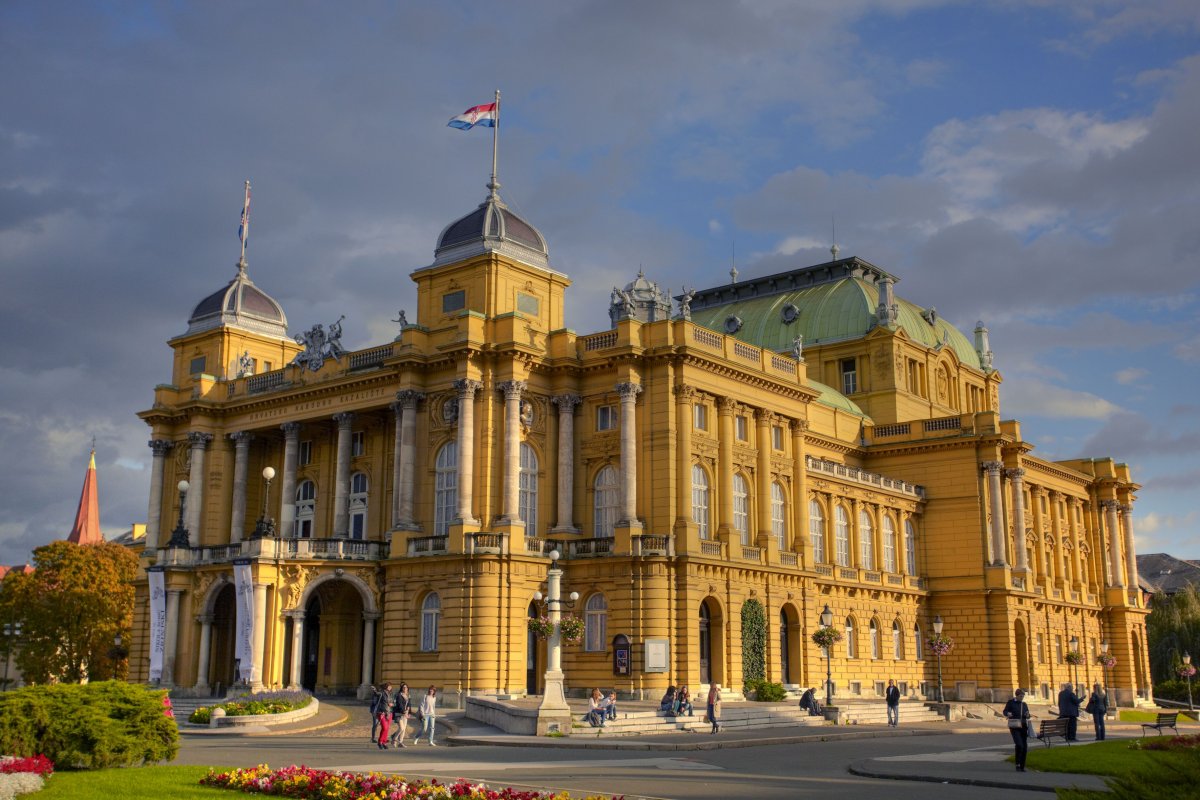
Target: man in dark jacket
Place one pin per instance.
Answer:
(892, 695)
(1068, 708)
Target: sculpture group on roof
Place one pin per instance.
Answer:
(319, 345)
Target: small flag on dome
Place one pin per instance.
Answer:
(476, 115)
(244, 227)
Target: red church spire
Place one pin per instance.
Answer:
(87, 519)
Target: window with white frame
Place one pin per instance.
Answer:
(700, 417)
(606, 504)
(889, 544)
(595, 624)
(304, 453)
(918, 644)
(897, 641)
(445, 492)
(851, 645)
(358, 505)
(740, 428)
(606, 418)
(741, 508)
(528, 495)
(910, 547)
(816, 531)
(431, 614)
(700, 499)
(778, 514)
(306, 506)
(777, 437)
(849, 370)
(875, 646)
(866, 540)
(841, 536)
(358, 444)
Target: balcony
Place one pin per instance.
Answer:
(856, 475)
(306, 549)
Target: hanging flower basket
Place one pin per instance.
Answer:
(1106, 660)
(1074, 657)
(541, 627)
(570, 627)
(940, 644)
(1186, 671)
(826, 637)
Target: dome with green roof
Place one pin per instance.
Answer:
(834, 399)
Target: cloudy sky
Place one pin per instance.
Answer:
(1031, 163)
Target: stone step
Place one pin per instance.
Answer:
(636, 723)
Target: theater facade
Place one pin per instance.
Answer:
(715, 468)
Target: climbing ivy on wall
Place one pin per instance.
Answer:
(754, 641)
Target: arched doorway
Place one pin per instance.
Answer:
(711, 643)
(535, 657)
(789, 645)
(333, 639)
(222, 669)
(1021, 648)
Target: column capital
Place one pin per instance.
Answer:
(290, 429)
(798, 425)
(993, 467)
(1110, 505)
(344, 419)
(725, 406)
(512, 389)
(566, 402)
(296, 614)
(242, 438)
(763, 416)
(198, 439)
(371, 616)
(160, 446)
(204, 619)
(1015, 474)
(467, 388)
(409, 398)
(684, 392)
(1126, 509)
(629, 391)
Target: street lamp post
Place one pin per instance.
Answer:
(827, 621)
(1187, 662)
(116, 655)
(265, 526)
(179, 536)
(1074, 642)
(554, 714)
(1111, 695)
(11, 631)
(937, 631)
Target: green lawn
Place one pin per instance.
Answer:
(1110, 757)
(134, 783)
(1130, 715)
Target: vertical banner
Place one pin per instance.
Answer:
(243, 582)
(158, 623)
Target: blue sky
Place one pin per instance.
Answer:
(1031, 164)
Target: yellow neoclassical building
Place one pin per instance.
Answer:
(715, 468)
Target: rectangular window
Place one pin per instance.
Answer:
(777, 437)
(700, 417)
(454, 301)
(528, 304)
(266, 366)
(305, 454)
(358, 444)
(606, 418)
(1041, 649)
(1058, 651)
(198, 366)
(849, 376)
(358, 525)
(740, 428)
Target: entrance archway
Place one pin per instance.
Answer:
(1021, 648)
(333, 639)
(711, 641)
(222, 669)
(790, 650)
(535, 657)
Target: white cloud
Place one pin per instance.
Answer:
(715, 226)
(794, 244)
(1188, 351)
(1034, 397)
(1130, 375)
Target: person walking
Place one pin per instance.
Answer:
(375, 692)
(1017, 714)
(428, 716)
(1068, 708)
(714, 707)
(1097, 706)
(382, 711)
(892, 696)
(401, 710)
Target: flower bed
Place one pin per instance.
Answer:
(316, 784)
(23, 775)
(256, 705)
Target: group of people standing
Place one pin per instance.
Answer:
(1016, 711)
(390, 714)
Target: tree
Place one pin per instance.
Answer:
(1172, 629)
(71, 608)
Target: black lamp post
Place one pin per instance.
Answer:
(11, 631)
(827, 621)
(1074, 642)
(179, 536)
(1111, 695)
(1187, 662)
(937, 631)
(265, 526)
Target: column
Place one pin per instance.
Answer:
(856, 534)
(160, 448)
(762, 466)
(1045, 562)
(800, 537)
(1081, 580)
(205, 621)
(628, 393)
(287, 489)
(1016, 478)
(241, 458)
(195, 497)
(997, 505)
(684, 396)
(566, 462)
(723, 480)
(297, 649)
(397, 460)
(1060, 563)
(341, 482)
(466, 447)
(404, 462)
(171, 637)
(511, 510)
(368, 648)
(260, 633)
(1130, 554)
(1114, 542)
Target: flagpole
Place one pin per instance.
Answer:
(245, 226)
(495, 184)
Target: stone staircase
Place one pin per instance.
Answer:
(747, 715)
(874, 712)
(184, 706)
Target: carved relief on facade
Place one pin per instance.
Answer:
(295, 578)
(202, 582)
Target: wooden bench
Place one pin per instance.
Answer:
(1164, 721)
(1050, 728)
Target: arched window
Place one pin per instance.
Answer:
(778, 514)
(842, 536)
(431, 613)
(700, 499)
(595, 624)
(897, 641)
(816, 531)
(910, 547)
(607, 502)
(527, 505)
(358, 505)
(876, 650)
(851, 645)
(306, 507)
(866, 540)
(889, 544)
(445, 493)
(918, 645)
(741, 508)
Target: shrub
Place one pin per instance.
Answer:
(19, 783)
(255, 704)
(1176, 690)
(765, 691)
(89, 726)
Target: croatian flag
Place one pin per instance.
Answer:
(478, 115)
(244, 228)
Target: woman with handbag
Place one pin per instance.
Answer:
(401, 710)
(1017, 714)
(1097, 706)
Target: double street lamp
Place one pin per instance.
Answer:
(1187, 662)
(1111, 695)
(554, 701)
(827, 621)
(1074, 642)
(937, 632)
(179, 536)
(11, 630)
(265, 526)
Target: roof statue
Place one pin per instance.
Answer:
(86, 529)
(319, 345)
(641, 299)
(685, 303)
(245, 364)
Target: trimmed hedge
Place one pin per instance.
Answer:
(89, 726)
(254, 705)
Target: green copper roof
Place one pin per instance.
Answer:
(835, 399)
(833, 311)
